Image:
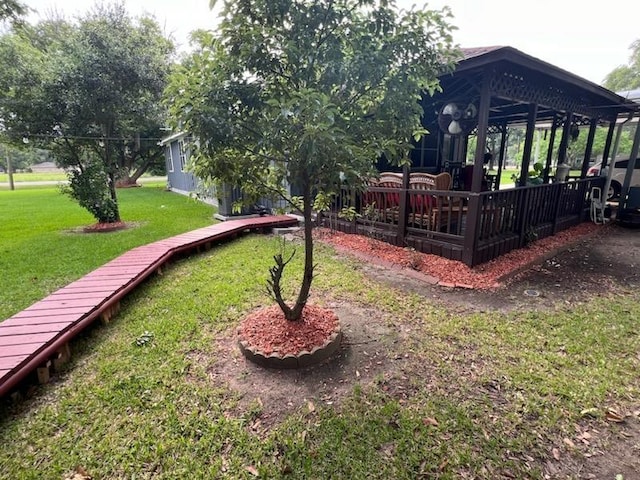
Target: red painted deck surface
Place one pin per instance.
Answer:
(35, 335)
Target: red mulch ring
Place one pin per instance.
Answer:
(104, 227)
(268, 331)
(452, 273)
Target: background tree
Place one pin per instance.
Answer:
(91, 93)
(12, 11)
(309, 94)
(626, 77)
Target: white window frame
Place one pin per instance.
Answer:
(171, 167)
(182, 151)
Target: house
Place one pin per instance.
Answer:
(182, 181)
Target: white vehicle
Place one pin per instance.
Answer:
(619, 172)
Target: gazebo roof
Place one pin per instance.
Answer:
(518, 79)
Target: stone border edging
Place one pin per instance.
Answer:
(301, 360)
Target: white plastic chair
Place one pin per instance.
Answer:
(597, 206)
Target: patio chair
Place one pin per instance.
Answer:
(432, 211)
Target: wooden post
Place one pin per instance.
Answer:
(552, 141)
(564, 141)
(62, 356)
(528, 144)
(587, 153)
(43, 372)
(630, 167)
(404, 207)
(474, 208)
(481, 139)
(503, 150)
(607, 144)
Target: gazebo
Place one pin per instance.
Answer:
(440, 205)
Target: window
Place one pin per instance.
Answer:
(169, 155)
(182, 149)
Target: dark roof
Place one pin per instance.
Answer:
(533, 71)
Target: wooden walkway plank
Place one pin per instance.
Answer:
(38, 337)
(33, 328)
(26, 338)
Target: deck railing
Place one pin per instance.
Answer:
(471, 227)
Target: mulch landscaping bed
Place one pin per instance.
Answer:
(452, 273)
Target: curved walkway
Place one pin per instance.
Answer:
(37, 338)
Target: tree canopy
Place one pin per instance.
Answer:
(626, 77)
(90, 91)
(308, 94)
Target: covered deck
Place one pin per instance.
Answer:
(448, 204)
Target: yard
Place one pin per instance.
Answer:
(430, 382)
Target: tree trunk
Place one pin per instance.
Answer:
(307, 278)
(112, 179)
(295, 313)
(131, 180)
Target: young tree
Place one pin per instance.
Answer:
(310, 94)
(91, 92)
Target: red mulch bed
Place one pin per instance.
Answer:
(452, 273)
(104, 227)
(268, 331)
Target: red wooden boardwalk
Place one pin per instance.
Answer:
(38, 336)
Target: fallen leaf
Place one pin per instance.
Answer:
(311, 407)
(613, 416)
(252, 470)
(569, 443)
(556, 453)
(430, 421)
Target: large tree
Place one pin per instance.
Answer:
(12, 11)
(308, 94)
(626, 77)
(91, 92)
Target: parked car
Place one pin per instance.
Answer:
(619, 172)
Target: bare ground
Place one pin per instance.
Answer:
(376, 350)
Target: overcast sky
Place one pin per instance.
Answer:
(571, 34)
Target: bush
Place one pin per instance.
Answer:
(90, 188)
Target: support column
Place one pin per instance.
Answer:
(630, 167)
(587, 153)
(564, 141)
(475, 205)
(528, 144)
(607, 144)
(552, 141)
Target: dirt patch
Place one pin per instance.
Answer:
(104, 227)
(369, 349)
(376, 350)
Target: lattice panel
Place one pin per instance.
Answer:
(516, 86)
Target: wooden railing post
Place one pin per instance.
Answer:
(471, 230)
(523, 214)
(404, 209)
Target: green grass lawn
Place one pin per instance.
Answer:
(40, 252)
(460, 395)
